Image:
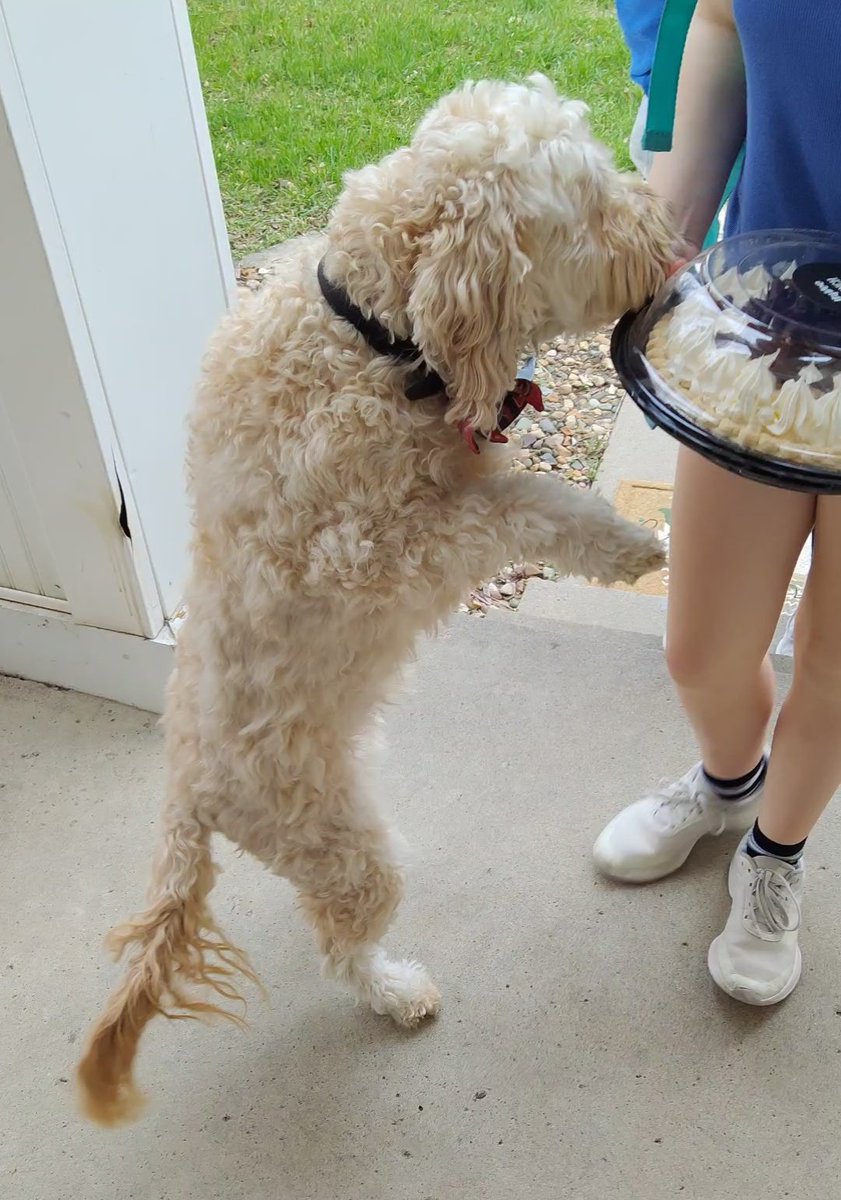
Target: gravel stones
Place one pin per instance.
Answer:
(581, 394)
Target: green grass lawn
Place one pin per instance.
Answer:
(298, 91)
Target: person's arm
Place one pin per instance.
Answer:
(709, 121)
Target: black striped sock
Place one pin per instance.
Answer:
(758, 844)
(741, 788)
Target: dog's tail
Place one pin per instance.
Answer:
(177, 944)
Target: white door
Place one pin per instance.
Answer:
(28, 571)
(116, 267)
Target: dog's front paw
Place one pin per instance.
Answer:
(636, 552)
(405, 992)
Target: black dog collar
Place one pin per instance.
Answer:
(424, 382)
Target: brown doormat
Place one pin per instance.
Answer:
(649, 504)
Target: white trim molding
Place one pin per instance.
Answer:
(50, 648)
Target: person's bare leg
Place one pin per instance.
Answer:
(733, 548)
(756, 958)
(805, 766)
(734, 545)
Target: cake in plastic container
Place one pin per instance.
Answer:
(739, 356)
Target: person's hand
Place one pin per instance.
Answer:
(688, 251)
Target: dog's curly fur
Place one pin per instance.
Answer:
(335, 521)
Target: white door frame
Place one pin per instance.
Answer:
(116, 268)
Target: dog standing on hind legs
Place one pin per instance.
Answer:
(340, 512)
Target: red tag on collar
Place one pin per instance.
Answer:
(533, 396)
(468, 436)
(525, 392)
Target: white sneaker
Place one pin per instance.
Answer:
(756, 959)
(654, 837)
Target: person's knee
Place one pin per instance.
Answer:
(817, 658)
(699, 664)
(690, 663)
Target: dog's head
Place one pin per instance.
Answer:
(503, 223)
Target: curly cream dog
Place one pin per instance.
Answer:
(335, 520)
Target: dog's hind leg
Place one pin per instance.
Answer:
(343, 862)
(174, 946)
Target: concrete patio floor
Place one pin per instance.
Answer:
(582, 1050)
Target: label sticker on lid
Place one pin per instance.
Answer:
(821, 283)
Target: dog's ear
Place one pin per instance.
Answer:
(467, 301)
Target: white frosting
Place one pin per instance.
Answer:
(719, 376)
(753, 389)
(743, 287)
(832, 418)
(729, 284)
(693, 354)
(810, 374)
(698, 307)
(795, 413)
(757, 281)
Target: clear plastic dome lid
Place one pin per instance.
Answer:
(744, 344)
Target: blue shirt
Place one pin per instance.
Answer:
(640, 21)
(792, 173)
